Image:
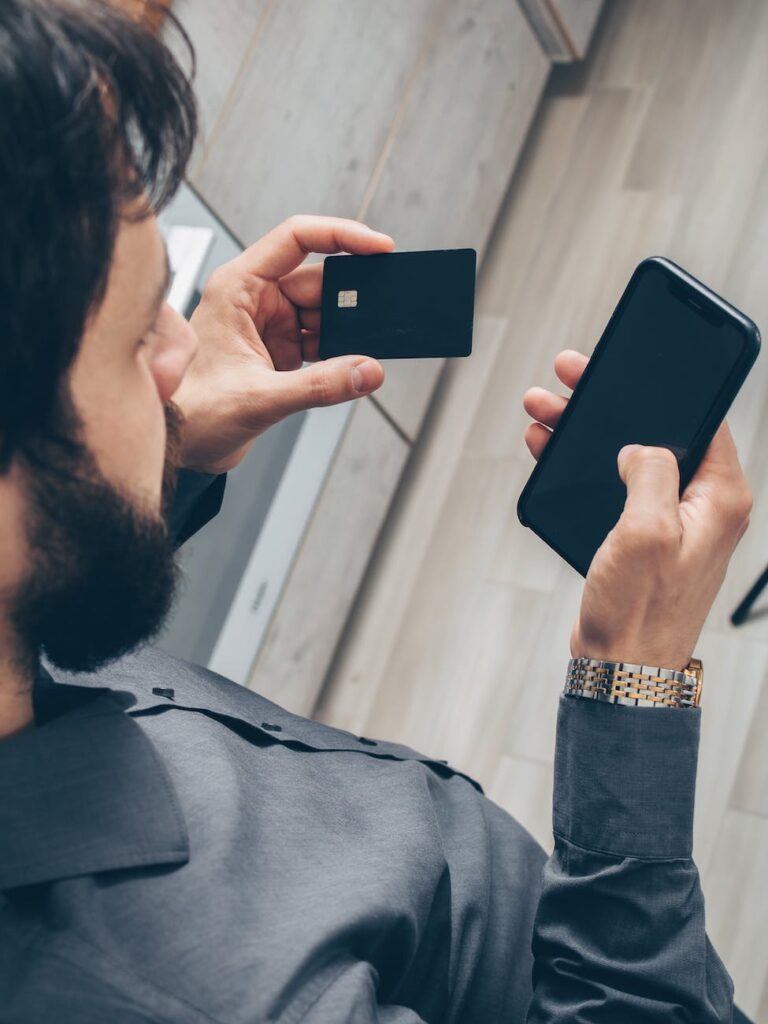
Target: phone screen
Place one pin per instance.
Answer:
(662, 364)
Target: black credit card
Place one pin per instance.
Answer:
(399, 305)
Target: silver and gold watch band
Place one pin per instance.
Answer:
(620, 682)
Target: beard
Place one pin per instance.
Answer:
(103, 574)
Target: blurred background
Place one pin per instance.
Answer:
(368, 567)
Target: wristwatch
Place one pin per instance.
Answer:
(620, 682)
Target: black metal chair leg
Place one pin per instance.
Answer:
(742, 611)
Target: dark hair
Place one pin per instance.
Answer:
(95, 112)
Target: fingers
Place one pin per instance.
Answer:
(310, 346)
(285, 247)
(328, 382)
(310, 319)
(304, 286)
(536, 437)
(569, 366)
(721, 454)
(721, 482)
(544, 406)
(652, 478)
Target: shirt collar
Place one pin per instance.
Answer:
(84, 791)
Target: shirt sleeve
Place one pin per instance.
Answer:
(197, 500)
(351, 998)
(619, 932)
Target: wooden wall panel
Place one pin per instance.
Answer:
(355, 679)
(452, 152)
(330, 562)
(312, 109)
(223, 34)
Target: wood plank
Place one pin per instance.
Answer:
(312, 110)
(561, 292)
(761, 1017)
(750, 790)
(523, 787)
(330, 562)
(751, 555)
(223, 34)
(732, 661)
(737, 908)
(708, 64)
(634, 44)
(530, 731)
(452, 680)
(442, 178)
(450, 674)
(354, 677)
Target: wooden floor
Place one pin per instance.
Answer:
(459, 640)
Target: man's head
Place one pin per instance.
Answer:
(97, 122)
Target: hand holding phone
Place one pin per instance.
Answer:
(664, 374)
(652, 582)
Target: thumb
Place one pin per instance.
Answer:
(326, 382)
(652, 478)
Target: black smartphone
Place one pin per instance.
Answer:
(664, 373)
(399, 305)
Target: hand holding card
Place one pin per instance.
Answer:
(399, 305)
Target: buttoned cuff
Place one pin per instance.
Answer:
(625, 778)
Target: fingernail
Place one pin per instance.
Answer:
(364, 377)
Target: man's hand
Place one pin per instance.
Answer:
(257, 322)
(652, 582)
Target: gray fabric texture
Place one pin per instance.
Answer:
(175, 848)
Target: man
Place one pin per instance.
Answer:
(174, 848)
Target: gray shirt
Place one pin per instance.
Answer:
(175, 848)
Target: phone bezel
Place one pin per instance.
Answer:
(706, 303)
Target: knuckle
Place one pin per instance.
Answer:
(218, 279)
(745, 501)
(296, 222)
(322, 391)
(651, 533)
(656, 457)
(737, 506)
(742, 528)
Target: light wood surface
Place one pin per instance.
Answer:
(379, 608)
(459, 642)
(409, 114)
(223, 34)
(453, 147)
(300, 640)
(311, 109)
